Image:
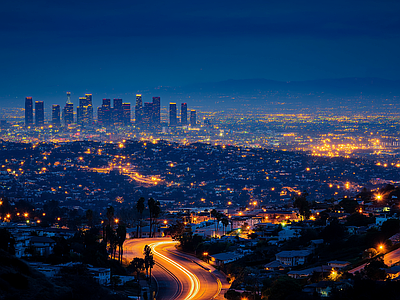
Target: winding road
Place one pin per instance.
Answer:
(178, 276)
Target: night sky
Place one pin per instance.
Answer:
(115, 48)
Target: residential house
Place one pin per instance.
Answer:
(293, 258)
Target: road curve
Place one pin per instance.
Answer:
(178, 277)
(389, 259)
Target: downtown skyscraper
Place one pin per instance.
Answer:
(117, 112)
(68, 111)
(138, 109)
(184, 115)
(28, 111)
(55, 115)
(85, 110)
(126, 117)
(193, 118)
(39, 113)
(148, 115)
(104, 113)
(173, 120)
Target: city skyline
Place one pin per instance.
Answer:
(120, 114)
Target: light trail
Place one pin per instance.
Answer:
(194, 281)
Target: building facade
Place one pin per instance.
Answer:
(39, 113)
(28, 111)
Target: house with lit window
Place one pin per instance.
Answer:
(293, 258)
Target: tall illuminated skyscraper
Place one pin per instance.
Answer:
(173, 121)
(138, 109)
(104, 113)
(184, 120)
(117, 112)
(85, 110)
(28, 111)
(55, 115)
(126, 119)
(68, 111)
(192, 118)
(39, 113)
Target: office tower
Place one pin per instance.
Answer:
(138, 109)
(85, 110)
(39, 113)
(172, 115)
(147, 117)
(68, 114)
(28, 111)
(126, 119)
(117, 112)
(90, 108)
(184, 120)
(156, 111)
(55, 115)
(68, 111)
(192, 118)
(104, 113)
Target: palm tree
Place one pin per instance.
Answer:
(121, 236)
(140, 209)
(219, 218)
(214, 215)
(225, 223)
(110, 215)
(154, 210)
(148, 260)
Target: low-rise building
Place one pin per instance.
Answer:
(293, 258)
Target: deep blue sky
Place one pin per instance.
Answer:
(119, 47)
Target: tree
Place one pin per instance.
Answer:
(148, 260)
(154, 210)
(349, 206)
(281, 288)
(110, 215)
(136, 265)
(225, 223)
(302, 204)
(177, 230)
(390, 227)
(375, 269)
(121, 237)
(334, 231)
(140, 209)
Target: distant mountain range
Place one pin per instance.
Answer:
(257, 91)
(342, 86)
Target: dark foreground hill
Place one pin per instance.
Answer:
(20, 281)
